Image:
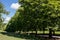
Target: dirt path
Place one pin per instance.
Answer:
(53, 37)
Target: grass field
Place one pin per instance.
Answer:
(12, 36)
(5, 37)
(8, 37)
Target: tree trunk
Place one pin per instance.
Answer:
(32, 31)
(36, 31)
(43, 30)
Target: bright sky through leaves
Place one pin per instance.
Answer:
(11, 6)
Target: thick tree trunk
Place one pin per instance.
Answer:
(19, 31)
(36, 31)
(32, 31)
(43, 30)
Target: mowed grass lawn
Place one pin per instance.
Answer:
(5, 37)
(12, 37)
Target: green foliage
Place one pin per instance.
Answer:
(36, 15)
(2, 11)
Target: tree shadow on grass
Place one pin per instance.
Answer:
(23, 36)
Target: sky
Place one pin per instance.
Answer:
(11, 6)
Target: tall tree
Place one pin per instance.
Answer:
(37, 14)
(2, 11)
(46, 13)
